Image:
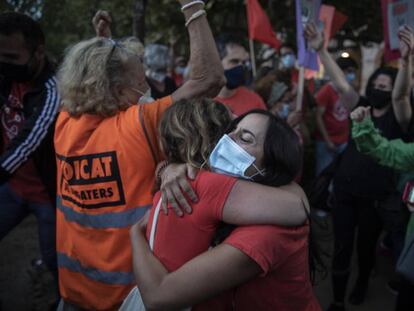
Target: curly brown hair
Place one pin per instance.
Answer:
(190, 129)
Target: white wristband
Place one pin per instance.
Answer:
(194, 17)
(189, 5)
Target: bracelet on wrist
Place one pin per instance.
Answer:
(190, 4)
(193, 17)
(158, 171)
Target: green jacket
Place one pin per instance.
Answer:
(392, 153)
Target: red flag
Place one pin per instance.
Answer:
(332, 19)
(389, 53)
(259, 25)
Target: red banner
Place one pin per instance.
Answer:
(259, 25)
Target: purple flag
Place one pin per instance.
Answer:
(306, 11)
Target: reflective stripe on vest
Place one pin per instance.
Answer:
(103, 221)
(114, 278)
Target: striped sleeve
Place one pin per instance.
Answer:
(33, 131)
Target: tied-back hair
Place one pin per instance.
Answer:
(282, 161)
(89, 74)
(282, 152)
(190, 129)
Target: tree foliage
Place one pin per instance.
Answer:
(68, 21)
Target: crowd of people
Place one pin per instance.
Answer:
(160, 183)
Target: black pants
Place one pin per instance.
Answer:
(353, 215)
(405, 300)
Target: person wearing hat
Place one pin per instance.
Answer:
(332, 117)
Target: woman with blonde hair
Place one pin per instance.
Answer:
(107, 150)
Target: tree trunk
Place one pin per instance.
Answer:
(138, 24)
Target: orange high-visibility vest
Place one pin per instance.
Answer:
(104, 180)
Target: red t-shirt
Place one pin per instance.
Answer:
(179, 239)
(282, 253)
(336, 116)
(25, 182)
(242, 101)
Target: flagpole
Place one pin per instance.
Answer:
(252, 57)
(301, 85)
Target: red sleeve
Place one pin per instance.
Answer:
(323, 97)
(252, 98)
(212, 190)
(258, 101)
(266, 245)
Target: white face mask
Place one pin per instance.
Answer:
(288, 61)
(284, 112)
(145, 97)
(180, 70)
(158, 76)
(230, 159)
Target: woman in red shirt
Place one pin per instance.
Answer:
(272, 152)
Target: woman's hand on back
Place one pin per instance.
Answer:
(174, 184)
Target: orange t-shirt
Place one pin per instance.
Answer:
(105, 177)
(242, 101)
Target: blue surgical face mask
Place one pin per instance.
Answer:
(350, 76)
(235, 77)
(180, 70)
(230, 159)
(288, 61)
(284, 112)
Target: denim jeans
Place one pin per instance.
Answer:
(324, 156)
(13, 209)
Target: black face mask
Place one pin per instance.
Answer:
(16, 73)
(379, 99)
(235, 77)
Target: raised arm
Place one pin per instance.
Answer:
(203, 277)
(346, 92)
(284, 206)
(391, 153)
(207, 75)
(102, 24)
(402, 88)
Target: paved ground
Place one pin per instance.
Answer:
(19, 292)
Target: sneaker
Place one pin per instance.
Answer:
(42, 294)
